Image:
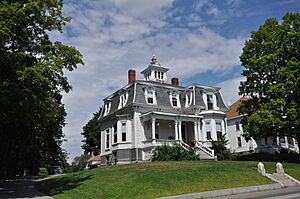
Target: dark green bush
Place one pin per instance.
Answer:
(177, 153)
(219, 147)
(265, 157)
(43, 172)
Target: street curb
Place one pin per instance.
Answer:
(225, 192)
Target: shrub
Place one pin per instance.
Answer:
(43, 172)
(177, 153)
(265, 157)
(219, 147)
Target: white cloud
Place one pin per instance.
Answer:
(116, 35)
(230, 89)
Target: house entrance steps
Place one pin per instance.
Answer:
(283, 179)
(204, 152)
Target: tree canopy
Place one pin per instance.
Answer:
(31, 82)
(91, 133)
(271, 60)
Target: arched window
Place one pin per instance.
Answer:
(188, 99)
(174, 100)
(150, 96)
(107, 108)
(123, 100)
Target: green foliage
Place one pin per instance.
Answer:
(265, 157)
(219, 147)
(43, 171)
(91, 133)
(272, 69)
(31, 82)
(177, 152)
(79, 162)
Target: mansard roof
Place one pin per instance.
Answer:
(136, 97)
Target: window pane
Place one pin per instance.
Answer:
(208, 135)
(219, 134)
(207, 126)
(123, 137)
(150, 100)
(239, 142)
(218, 126)
(237, 126)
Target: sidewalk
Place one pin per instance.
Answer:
(20, 188)
(225, 192)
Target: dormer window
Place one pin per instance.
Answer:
(188, 99)
(107, 108)
(174, 100)
(123, 100)
(150, 96)
(210, 102)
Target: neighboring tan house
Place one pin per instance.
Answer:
(93, 161)
(265, 145)
(152, 112)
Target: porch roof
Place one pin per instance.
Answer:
(153, 113)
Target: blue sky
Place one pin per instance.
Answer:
(198, 40)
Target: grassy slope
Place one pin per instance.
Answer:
(150, 180)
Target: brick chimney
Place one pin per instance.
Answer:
(175, 81)
(131, 76)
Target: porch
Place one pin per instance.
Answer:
(170, 129)
(168, 126)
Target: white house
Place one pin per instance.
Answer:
(235, 130)
(265, 145)
(151, 112)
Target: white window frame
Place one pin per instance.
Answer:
(239, 142)
(122, 131)
(208, 126)
(107, 141)
(219, 122)
(150, 95)
(123, 100)
(115, 133)
(174, 95)
(212, 101)
(107, 108)
(237, 124)
(188, 99)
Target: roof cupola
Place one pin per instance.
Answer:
(155, 72)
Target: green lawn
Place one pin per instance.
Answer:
(151, 180)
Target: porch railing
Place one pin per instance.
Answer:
(205, 149)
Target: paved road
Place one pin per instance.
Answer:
(286, 193)
(20, 188)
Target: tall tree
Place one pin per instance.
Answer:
(271, 58)
(91, 134)
(31, 81)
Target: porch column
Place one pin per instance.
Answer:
(286, 142)
(179, 129)
(153, 128)
(199, 130)
(176, 129)
(196, 131)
